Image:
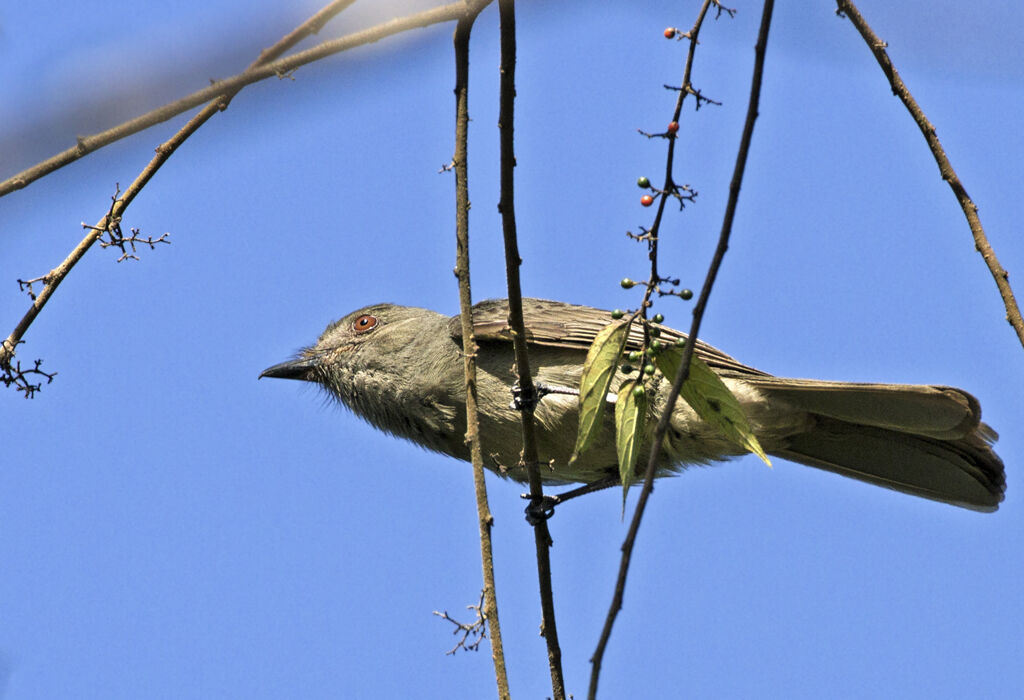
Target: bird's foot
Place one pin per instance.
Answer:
(521, 401)
(540, 509)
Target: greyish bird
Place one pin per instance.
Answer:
(400, 368)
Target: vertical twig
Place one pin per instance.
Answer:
(506, 206)
(469, 347)
(899, 88)
(670, 186)
(698, 314)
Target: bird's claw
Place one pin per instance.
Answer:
(521, 401)
(540, 509)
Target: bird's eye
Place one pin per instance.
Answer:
(364, 323)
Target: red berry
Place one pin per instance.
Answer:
(670, 32)
(647, 200)
(673, 127)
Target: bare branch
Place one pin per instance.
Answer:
(999, 274)
(14, 373)
(527, 392)
(117, 237)
(469, 347)
(223, 90)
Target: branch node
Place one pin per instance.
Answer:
(475, 630)
(26, 285)
(14, 373)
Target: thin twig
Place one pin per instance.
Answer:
(698, 315)
(469, 346)
(14, 373)
(899, 88)
(232, 85)
(651, 236)
(506, 206)
(477, 629)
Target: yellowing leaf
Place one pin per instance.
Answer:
(709, 396)
(598, 370)
(630, 419)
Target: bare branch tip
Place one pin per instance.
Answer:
(14, 373)
(475, 630)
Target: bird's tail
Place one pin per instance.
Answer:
(927, 441)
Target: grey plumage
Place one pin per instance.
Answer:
(400, 368)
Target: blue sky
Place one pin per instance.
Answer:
(170, 527)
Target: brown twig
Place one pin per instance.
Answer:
(698, 315)
(899, 88)
(527, 391)
(230, 86)
(117, 238)
(469, 347)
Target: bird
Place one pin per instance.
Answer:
(401, 369)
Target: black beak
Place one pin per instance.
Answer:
(292, 369)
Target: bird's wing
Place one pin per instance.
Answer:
(557, 324)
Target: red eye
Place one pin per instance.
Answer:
(364, 323)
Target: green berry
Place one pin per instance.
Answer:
(627, 283)
(680, 342)
(649, 369)
(655, 332)
(618, 313)
(638, 390)
(656, 345)
(686, 294)
(634, 356)
(643, 183)
(658, 318)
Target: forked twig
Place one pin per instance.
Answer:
(477, 629)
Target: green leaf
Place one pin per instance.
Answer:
(630, 419)
(598, 370)
(708, 395)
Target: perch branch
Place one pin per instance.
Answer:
(899, 88)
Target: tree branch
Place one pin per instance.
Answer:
(469, 347)
(698, 315)
(528, 394)
(899, 88)
(223, 90)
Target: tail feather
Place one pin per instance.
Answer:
(959, 472)
(923, 440)
(935, 411)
